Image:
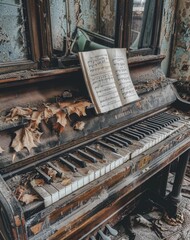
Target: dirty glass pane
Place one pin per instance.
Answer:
(71, 19)
(12, 31)
(142, 23)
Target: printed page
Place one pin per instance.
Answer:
(99, 80)
(118, 61)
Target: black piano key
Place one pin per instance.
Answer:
(47, 178)
(132, 131)
(171, 116)
(68, 164)
(115, 142)
(59, 172)
(95, 152)
(143, 130)
(119, 140)
(77, 160)
(106, 145)
(165, 120)
(154, 125)
(136, 131)
(130, 135)
(87, 156)
(159, 123)
(123, 138)
(147, 128)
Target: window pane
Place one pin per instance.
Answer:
(13, 45)
(142, 23)
(69, 18)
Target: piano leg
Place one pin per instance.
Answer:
(174, 197)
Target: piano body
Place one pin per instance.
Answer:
(100, 172)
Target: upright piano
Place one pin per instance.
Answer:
(77, 180)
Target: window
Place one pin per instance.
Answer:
(44, 33)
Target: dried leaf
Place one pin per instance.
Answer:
(79, 126)
(26, 138)
(50, 172)
(37, 182)
(20, 191)
(61, 118)
(17, 112)
(66, 181)
(17, 220)
(63, 105)
(36, 228)
(58, 128)
(78, 108)
(28, 198)
(1, 150)
(50, 110)
(36, 119)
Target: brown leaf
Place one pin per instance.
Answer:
(1, 150)
(66, 181)
(28, 198)
(64, 104)
(20, 191)
(78, 108)
(58, 128)
(17, 112)
(37, 182)
(50, 110)
(50, 172)
(17, 220)
(61, 118)
(36, 119)
(79, 126)
(26, 138)
(36, 228)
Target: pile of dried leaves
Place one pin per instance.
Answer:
(28, 137)
(23, 195)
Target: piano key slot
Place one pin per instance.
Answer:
(68, 164)
(106, 145)
(130, 135)
(47, 178)
(59, 173)
(115, 142)
(87, 156)
(77, 160)
(119, 140)
(95, 152)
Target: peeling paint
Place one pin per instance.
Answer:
(180, 66)
(13, 45)
(166, 31)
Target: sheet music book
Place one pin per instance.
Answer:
(107, 78)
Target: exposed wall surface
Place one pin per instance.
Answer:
(167, 26)
(180, 65)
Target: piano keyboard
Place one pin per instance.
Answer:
(82, 166)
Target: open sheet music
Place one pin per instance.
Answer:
(107, 77)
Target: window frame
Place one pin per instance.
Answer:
(40, 45)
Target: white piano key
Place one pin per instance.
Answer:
(52, 191)
(60, 188)
(74, 186)
(92, 176)
(97, 174)
(45, 195)
(80, 183)
(103, 171)
(68, 189)
(108, 168)
(86, 180)
(112, 165)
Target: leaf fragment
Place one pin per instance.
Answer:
(79, 125)
(38, 182)
(28, 198)
(78, 108)
(17, 112)
(66, 181)
(26, 138)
